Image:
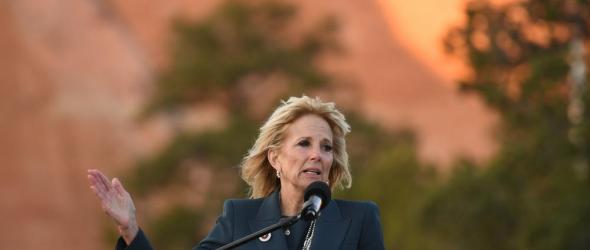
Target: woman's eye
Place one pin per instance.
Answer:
(327, 148)
(303, 143)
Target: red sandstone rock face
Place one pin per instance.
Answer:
(73, 73)
(398, 90)
(71, 78)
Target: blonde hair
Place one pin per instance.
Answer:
(256, 169)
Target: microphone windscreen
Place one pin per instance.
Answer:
(320, 189)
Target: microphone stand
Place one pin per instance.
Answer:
(283, 222)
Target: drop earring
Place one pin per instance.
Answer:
(278, 174)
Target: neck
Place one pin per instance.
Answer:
(291, 201)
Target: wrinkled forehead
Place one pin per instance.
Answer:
(309, 125)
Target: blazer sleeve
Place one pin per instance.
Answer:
(222, 232)
(372, 234)
(140, 242)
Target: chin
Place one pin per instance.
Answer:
(308, 181)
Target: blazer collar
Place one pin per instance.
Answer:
(269, 213)
(270, 208)
(331, 227)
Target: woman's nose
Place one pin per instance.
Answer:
(316, 153)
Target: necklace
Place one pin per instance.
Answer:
(309, 236)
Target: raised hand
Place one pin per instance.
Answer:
(116, 202)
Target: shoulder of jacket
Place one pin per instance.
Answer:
(243, 203)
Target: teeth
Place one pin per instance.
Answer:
(312, 171)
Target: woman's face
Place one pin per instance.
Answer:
(305, 154)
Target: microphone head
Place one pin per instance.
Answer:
(320, 189)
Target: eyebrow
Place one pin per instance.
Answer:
(308, 137)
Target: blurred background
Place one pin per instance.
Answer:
(470, 119)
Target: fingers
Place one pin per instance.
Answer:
(102, 180)
(99, 194)
(96, 187)
(96, 184)
(118, 186)
(100, 185)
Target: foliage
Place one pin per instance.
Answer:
(387, 171)
(240, 41)
(528, 196)
(218, 60)
(166, 228)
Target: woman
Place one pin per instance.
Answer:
(302, 142)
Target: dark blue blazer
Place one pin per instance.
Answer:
(341, 225)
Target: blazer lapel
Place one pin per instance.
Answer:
(269, 213)
(330, 228)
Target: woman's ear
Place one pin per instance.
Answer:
(272, 156)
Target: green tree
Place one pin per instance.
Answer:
(220, 60)
(244, 58)
(533, 194)
(386, 170)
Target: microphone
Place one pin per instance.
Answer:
(317, 196)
